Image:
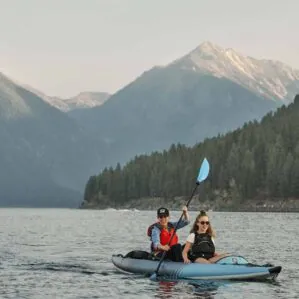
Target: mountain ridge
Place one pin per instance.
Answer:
(83, 100)
(270, 78)
(41, 150)
(182, 102)
(169, 105)
(243, 176)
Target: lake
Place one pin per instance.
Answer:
(64, 253)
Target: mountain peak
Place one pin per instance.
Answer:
(12, 105)
(208, 47)
(214, 50)
(85, 99)
(268, 78)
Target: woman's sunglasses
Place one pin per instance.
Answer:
(204, 222)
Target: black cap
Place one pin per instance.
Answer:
(162, 212)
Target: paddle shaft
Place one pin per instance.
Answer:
(175, 229)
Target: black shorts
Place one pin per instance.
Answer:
(174, 254)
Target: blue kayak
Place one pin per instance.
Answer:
(228, 268)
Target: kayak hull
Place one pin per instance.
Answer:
(230, 268)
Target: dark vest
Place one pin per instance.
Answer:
(203, 246)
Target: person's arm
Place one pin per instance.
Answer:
(185, 252)
(186, 214)
(185, 220)
(155, 237)
(188, 245)
(219, 254)
(156, 240)
(215, 253)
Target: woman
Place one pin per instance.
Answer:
(200, 247)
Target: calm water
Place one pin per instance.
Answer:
(55, 253)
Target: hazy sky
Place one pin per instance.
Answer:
(62, 47)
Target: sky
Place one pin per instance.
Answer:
(63, 47)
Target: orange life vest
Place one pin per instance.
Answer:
(165, 234)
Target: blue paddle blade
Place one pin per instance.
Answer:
(204, 171)
(153, 277)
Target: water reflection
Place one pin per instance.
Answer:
(165, 289)
(201, 289)
(168, 289)
(205, 290)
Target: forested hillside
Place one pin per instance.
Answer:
(258, 160)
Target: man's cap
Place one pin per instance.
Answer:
(162, 212)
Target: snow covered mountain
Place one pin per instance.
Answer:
(80, 101)
(87, 100)
(269, 78)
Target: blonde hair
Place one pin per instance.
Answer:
(195, 227)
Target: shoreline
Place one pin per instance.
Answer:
(220, 205)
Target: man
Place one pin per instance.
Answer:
(163, 236)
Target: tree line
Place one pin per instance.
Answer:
(259, 159)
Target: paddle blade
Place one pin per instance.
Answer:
(153, 277)
(204, 171)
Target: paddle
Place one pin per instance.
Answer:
(202, 175)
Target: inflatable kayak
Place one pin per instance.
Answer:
(228, 268)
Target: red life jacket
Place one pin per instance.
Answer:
(165, 234)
